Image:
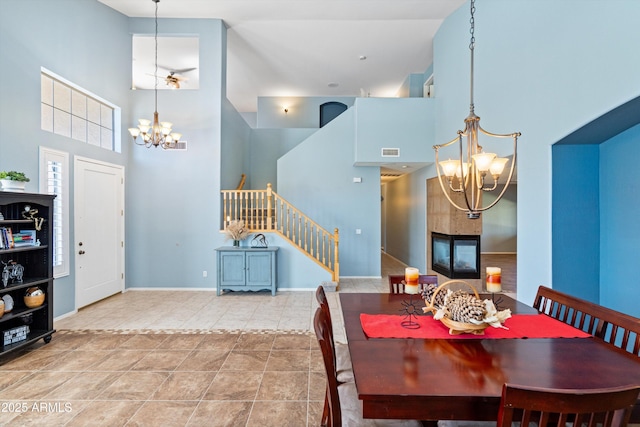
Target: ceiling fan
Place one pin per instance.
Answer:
(174, 78)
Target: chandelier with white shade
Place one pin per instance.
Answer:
(474, 170)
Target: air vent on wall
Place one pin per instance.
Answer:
(180, 146)
(390, 152)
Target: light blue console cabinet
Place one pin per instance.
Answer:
(247, 269)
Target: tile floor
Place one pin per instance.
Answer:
(159, 358)
(106, 378)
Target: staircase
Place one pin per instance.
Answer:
(263, 211)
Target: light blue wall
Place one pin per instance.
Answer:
(295, 270)
(406, 218)
(267, 145)
(619, 225)
(235, 148)
(173, 197)
(90, 44)
(412, 87)
(404, 123)
(82, 41)
(499, 224)
(544, 68)
(304, 112)
(317, 177)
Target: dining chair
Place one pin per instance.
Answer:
(607, 407)
(613, 327)
(341, 356)
(396, 282)
(344, 369)
(341, 400)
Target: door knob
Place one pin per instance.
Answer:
(81, 252)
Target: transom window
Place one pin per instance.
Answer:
(73, 112)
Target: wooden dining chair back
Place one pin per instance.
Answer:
(341, 357)
(396, 282)
(321, 297)
(613, 327)
(322, 327)
(545, 407)
(342, 404)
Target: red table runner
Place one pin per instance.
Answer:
(519, 326)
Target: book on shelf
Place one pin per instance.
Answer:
(7, 238)
(24, 238)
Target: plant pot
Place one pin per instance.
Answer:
(11, 185)
(236, 243)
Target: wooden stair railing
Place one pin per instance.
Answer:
(265, 211)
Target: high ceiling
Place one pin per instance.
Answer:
(306, 47)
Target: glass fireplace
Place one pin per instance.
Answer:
(456, 256)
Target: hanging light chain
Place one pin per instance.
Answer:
(472, 23)
(472, 44)
(155, 133)
(155, 75)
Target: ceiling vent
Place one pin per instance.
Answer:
(390, 152)
(180, 146)
(391, 174)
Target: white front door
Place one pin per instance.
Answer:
(99, 230)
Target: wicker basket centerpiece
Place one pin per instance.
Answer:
(460, 311)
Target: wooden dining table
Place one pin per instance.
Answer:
(462, 378)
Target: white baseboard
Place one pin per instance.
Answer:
(71, 313)
(171, 289)
(213, 289)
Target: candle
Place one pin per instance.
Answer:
(411, 280)
(494, 279)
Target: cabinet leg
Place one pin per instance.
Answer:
(47, 339)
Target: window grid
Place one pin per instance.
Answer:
(54, 186)
(70, 112)
(54, 179)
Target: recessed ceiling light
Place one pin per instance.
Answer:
(362, 57)
(332, 84)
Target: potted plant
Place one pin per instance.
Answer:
(13, 181)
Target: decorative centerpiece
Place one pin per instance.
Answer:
(460, 311)
(236, 231)
(13, 181)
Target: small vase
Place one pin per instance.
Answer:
(236, 243)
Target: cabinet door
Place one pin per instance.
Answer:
(259, 268)
(232, 266)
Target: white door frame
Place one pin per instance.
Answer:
(120, 261)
